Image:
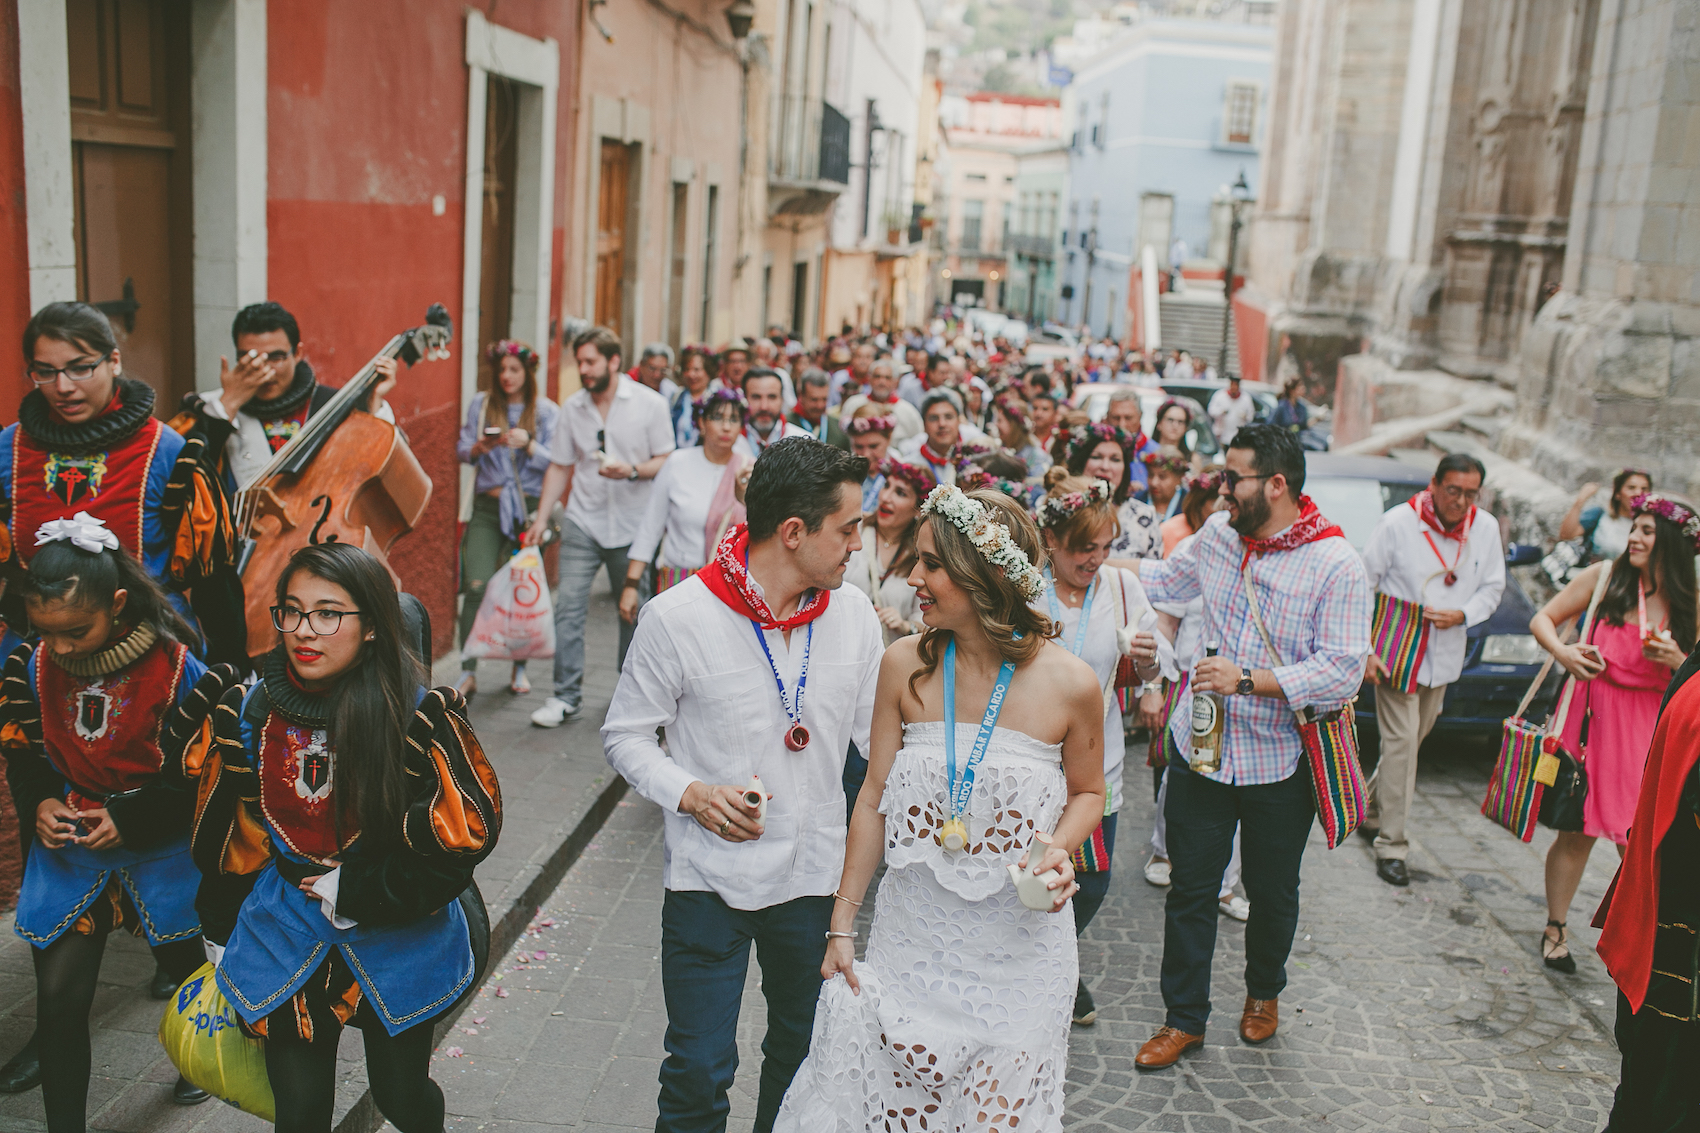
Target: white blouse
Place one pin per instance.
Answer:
(677, 511)
(894, 590)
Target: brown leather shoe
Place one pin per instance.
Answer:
(1165, 1048)
(1259, 1020)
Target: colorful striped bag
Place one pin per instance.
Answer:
(1162, 748)
(1330, 740)
(1399, 636)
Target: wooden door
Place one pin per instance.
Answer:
(676, 275)
(129, 78)
(613, 205)
(501, 166)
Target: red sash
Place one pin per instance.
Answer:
(102, 733)
(109, 485)
(297, 782)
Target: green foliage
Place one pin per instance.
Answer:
(1018, 26)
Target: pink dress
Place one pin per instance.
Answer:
(1624, 704)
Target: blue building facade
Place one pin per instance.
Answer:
(1159, 125)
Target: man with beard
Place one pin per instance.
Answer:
(810, 414)
(1313, 597)
(612, 437)
(765, 395)
(265, 398)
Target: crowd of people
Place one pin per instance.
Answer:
(796, 732)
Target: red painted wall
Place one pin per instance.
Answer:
(367, 114)
(14, 231)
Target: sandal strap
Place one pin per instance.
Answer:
(1555, 924)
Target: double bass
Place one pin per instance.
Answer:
(344, 477)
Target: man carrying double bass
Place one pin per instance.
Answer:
(264, 399)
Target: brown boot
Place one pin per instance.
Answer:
(1259, 1020)
(1165, 1048)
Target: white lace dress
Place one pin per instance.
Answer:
(963, 1019)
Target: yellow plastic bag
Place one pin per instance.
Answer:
(200, 1035)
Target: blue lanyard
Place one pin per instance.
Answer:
(818, 432)
(793, 710)
(961, 792)
(1085, 610)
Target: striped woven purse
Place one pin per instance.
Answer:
(1399, 636)
(1330, 741)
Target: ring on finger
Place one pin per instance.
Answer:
(724, 827)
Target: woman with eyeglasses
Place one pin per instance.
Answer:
(86, 440)
(342, 810)
(102, 713)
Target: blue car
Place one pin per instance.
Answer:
(1502, 656)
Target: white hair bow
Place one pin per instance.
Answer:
(82, 529)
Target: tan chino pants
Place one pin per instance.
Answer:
(1404, 719)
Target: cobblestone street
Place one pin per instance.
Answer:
(1425, 1008)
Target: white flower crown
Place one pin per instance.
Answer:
(991, 538)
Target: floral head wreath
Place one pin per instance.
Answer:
(912, 474)
(1203, 482)
(1055, 510)
(507, 348)
(860, 426)
(1012, 408)
(973, 478)
(1674, 510)
(991, 538)
(82, 529)
(1088, 437)
(1176, 464)
(701, 406)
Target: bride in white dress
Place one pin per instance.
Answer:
(958, 1018)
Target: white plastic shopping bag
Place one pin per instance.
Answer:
(515, 621)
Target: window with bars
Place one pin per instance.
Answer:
(1239, 113)
(973, 215)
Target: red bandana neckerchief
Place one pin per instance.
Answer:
(1629, 915)
(1423, 504)
(932, 457)
(729, 580)
(1310, 526)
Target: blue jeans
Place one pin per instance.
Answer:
(581, 557)
(1274, 821)
(705, 955)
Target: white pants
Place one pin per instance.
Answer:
(1160, 841)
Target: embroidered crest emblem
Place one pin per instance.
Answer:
(313, 768)
(74, 479)
(94, 711)
(280, 431)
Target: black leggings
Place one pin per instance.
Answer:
(66, 974)
(398, 1068)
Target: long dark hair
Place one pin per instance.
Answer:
(63, 572)
(496, 398)
(372, 702)
(1672, 563)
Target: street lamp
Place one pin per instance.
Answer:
(1239, 193)
(740, 16)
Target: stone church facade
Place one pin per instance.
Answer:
(1490, 207)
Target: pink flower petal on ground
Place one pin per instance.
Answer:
(524, 959)
(470, 1030)
(501, 993)
(540, 955)
(480, 1018)
(548, 922)
(454, 1052)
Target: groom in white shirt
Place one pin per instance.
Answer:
(758, 665)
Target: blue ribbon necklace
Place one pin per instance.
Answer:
(1085, 610)
(953, 835)
(796, 736)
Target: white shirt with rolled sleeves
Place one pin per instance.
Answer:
(1315, 601)
(638, 429)
(1402, 564)
(696, 669)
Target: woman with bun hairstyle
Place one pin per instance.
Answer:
(342, 810)
(986, 754)
(1102, 616)
(99, 718)
(506, 438)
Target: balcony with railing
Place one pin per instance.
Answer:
(1033, 247)
(808, 157)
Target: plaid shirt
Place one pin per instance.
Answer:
(1315, 601)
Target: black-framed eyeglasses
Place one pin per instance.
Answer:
(79, 371)
(1232, 480)
(287, 619)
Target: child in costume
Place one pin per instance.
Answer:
(98, 719)
(343, 808)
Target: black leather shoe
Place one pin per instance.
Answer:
(162, 985)
(22, 1071)
(1392, 871)
(186, 1092)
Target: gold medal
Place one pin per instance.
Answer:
(953, 835)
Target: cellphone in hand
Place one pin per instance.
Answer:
(492, 431)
